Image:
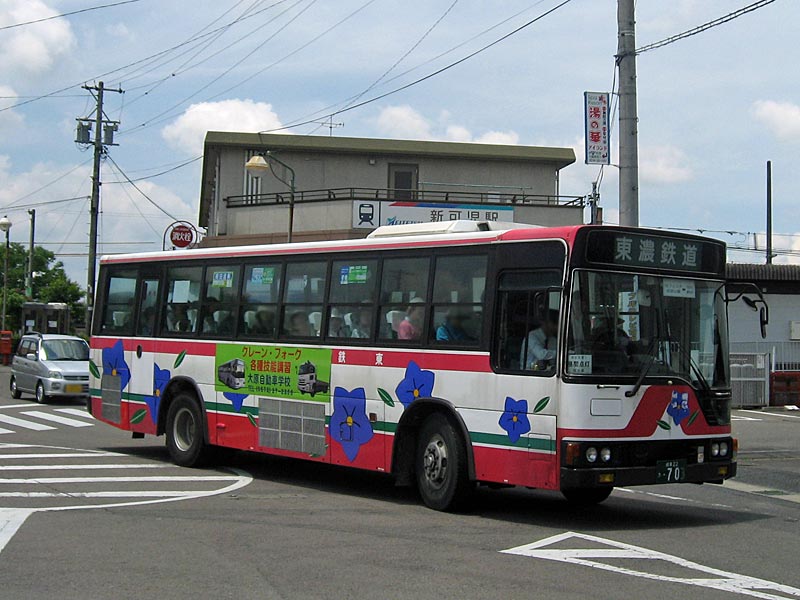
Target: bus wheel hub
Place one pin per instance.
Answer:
(434, 460)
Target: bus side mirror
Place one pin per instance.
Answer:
(763, 317)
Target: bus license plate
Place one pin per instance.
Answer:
(73, 388)
(670, 471)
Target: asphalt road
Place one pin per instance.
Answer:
(261, 527)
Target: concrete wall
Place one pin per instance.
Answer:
(317, 171)
(744, 324)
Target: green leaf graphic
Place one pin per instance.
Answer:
(663, 424)
(692, 418)
(138, 416)
(386, 397)
(541, 404)
(94, 370)
(252, 420)
(179, 359)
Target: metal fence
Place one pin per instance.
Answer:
(750, 379)
(784, 356)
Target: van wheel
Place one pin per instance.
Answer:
(441, 465)
(185, 432)
(15, 393)
(586, 496)
(41, 398)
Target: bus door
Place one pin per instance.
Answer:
(141, 356)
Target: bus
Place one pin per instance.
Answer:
(450, 355)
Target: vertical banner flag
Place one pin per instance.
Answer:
(596, 132)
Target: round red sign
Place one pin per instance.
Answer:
(181, 236)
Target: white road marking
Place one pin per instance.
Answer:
(11, 519)
(40, 480)
(725, 581)
(84, 467)
(61, 455)
(77, 412)
(56, 418)
(27, 405)
(771, 414)
(6, 431)
(741, 418)
(761, 490)
(666, 497)
(114, 494)
(23, 423)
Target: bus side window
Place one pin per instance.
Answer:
(403, 299)
(302, 299)
(526, 336)
(351, 313)
(119, 303)
(458, 290)
(148, 307)
(258, 312)
(183, 300)
(220, 301)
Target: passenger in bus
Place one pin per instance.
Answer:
(336, 325)
(539, 352)
(179, 320)
(362, 327)
(299, 325)
(148, 323)
(452, 330)
(411, 327)
(264, 322)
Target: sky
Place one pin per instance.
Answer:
(713, 108)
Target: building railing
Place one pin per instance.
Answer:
(402, 195)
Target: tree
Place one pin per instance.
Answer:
(50, 283)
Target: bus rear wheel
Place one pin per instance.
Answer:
(185, 433)
(441, 465)
(586, 496)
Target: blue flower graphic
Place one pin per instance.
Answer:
(161, 378)
(114, 364)
(236, 399)
(349, 423)
(515, 418)
(415, 384)
(678, 407)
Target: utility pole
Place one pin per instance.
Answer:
(628, 119)
(103, 136)
(769, 212)
(29, 274)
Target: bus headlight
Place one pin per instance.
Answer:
(591, 454)
(714, 449)
(723, 448)
(605, 454)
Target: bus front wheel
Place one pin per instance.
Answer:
(185, 440)
(586, 496)
(441, 465)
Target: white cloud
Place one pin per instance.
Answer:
(404, 122)
(663, 164)
(8, 118)
(188, 131)
(781, 118)
(32, 48)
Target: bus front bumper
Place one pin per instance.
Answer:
(710, 472)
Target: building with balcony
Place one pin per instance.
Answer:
(345, 187)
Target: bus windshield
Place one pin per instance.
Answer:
(645, 325)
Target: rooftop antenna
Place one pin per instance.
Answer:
(329, 124)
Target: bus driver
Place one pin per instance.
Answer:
(539, 352)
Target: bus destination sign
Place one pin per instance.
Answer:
(625, 248)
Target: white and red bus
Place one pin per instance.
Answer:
(447, 354)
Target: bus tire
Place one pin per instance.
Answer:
(587, 496)
(185, 439)
(441, 465)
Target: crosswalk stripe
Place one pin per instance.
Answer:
(83, 467)
(76, 412)
(39, 480)
(2, 431)
(23, 423)
(56, 418)
(59, 455)
(112, 494)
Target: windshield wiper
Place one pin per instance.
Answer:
(652, 355)
(693, 366)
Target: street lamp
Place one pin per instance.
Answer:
(258, 165)
(5, 226)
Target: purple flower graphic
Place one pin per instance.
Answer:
(236, 399)
(515, 418)
(114, 364)
(349, 423)
(416, 383)
(678, 407)
(161, 378)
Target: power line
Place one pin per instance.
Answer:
(136, 187)
(705, 26)
(45, 186)
(154, 175)
(426, 77)
(67, 14)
